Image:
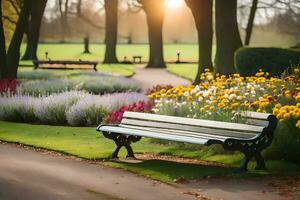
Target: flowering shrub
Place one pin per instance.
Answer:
(141, 106)
(18, 108)
(92, 109)
(8, 85)
(52, 109)
(218, 97)
(73, 107)
(97, 84)
(157, 88)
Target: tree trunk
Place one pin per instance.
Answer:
(13, 52)
(202, 11)
(227, 35)
(36, 16)
(250, 22)
(111, 30)
(155, 11)
(2, 46)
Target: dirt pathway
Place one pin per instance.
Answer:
(32, 175)
(26, 174)
(151, 77)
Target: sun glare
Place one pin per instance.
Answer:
(174, 4)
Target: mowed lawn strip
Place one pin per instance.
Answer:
(86, 143)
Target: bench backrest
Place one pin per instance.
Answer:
(257, 122)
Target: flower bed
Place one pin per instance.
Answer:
(219, 98)
(41, 83)
(73, 107)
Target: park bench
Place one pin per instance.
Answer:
(250, 137)
(65, 64)
(139, 58)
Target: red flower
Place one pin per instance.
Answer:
(8, 85)
(117, 115)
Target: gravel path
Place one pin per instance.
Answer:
(150, 77)
(30, 175)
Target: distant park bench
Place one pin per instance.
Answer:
(65, 64)
(250, 137)
(139, 58)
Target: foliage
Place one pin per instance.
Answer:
(157, 88)
(73, 107)
(272, 60)
(8, 85)
(117, 115)
(95, 83)
(218, 98)
(52, 109)
(92, 109)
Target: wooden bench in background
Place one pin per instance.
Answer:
(65, 64)
(249, 138)
(139, 58)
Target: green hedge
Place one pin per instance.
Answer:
(273, 60)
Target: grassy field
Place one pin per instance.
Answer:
(116, 69)
(187, 71)
(86, 143)
(189, 52)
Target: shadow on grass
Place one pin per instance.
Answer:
(167, 171)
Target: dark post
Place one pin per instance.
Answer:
(86, 42)
(178, 57)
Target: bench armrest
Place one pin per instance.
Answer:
(98, 127)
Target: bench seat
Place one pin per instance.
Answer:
(249, 137)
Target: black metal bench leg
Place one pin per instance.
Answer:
(130, 153)
(260, 161)
(116, 151)
(244, 163)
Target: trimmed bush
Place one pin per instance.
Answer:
(248, 61)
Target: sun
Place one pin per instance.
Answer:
(174, 4)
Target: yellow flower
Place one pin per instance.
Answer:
(298, 124)
(286, 116)
(202, 109)
(234, 105)
(221, 105)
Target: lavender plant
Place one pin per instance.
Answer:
(91, 109)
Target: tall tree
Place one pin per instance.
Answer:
(111, 30)
(155, 12)
(63, 7)
(249, 27)
(13, 52)
(33, 33)
(227, 35)
(202, 11)
(2, 45)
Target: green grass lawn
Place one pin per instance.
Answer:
(85, 142)
(184, 70)
(189, 52)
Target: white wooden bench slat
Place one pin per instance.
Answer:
(257, 122)
(185, 133)
(255, 115)
(189, 128)
(195, 122)
(162, 136)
